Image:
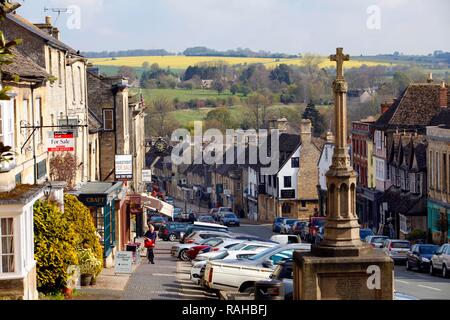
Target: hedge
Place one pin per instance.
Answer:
(80, 216)
(55, 247)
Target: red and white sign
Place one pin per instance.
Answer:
(61, 141)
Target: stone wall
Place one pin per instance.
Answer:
(19, 289)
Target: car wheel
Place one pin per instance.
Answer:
(172, 238)
(408, 267)
(250, 290)
(444, 272)
(183, 255)
(431, 269)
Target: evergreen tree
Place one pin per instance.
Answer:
(316, 118)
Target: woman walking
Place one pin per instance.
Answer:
(150, 235)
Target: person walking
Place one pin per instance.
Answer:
(151, 236)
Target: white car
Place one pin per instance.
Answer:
(198, 269)
(225, 244)
(199, 235)
(242, 247)
(181, 249)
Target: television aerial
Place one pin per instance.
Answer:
(57, 10)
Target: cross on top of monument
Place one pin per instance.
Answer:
(340, 57)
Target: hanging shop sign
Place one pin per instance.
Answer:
(147, 176)
(124, 167)
(61, 141)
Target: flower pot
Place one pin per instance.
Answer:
(68, 293)
(86, 280)
(93, 281)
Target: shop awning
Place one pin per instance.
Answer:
(156, 204)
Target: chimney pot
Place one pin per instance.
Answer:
(443, 95)
(48, 20)
(430, 78)
(305, 130)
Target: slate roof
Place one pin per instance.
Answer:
(405, 203)
(442, 118)
(416, 107)
(23, 67)
(39, 33)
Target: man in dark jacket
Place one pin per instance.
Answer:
(150, 235)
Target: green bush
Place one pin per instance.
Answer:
(416, 234)
(80, 216)
(89, 263)
(54, 247)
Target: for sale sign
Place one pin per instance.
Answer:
(61, 141)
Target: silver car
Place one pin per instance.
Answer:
(397, 249)
(376, 241)
(441, 261)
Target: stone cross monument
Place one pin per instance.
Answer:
(342, 267)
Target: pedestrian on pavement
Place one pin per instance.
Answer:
(150, 235)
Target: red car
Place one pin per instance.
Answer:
(193, 252)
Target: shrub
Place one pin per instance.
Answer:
(89, 263)
(416, 235)
(80, 216)
(55, 247)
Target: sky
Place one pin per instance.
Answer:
(365, 27)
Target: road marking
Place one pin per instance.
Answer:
(401, 281)
(163, 275)
(431, 288)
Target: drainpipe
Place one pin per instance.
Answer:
(32, 87)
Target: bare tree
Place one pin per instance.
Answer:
(258, 104)
(159, 115)
(62, 168)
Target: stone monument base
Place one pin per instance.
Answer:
(366, 276)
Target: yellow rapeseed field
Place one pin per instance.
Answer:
(182, 62)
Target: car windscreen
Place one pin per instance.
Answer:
(428, 249)
(230, 216)
(263, 253)
(400, 245)
(291, 222)
(239, 246)
(378, 239)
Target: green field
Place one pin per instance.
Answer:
(183, 95)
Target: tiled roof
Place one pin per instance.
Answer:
(405, 203)
(23, 67)
(418, 104)
(39, 33)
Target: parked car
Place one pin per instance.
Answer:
(198, 269)
(315, 225)
(220, 211)
(397, 249)
(203, 226)
(157, 222)
(376, 241)
(205, 234)
(284, 272)
(441, 261)
(226, 243)
(207, 219)
(179, 250)
(286, 239)
(364, 233)
(177, 214)
(276, 226)
(286, 225)
(172, 231)
(169, 200)
(230, 219)
(300, 228)
(420, 256)
(243, 247)
(241, 275)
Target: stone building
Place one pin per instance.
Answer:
(438, 164)
(286, 193)
(66, 96)
(18, 173)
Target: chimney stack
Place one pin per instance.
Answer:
(329, 137)
(430, 78)
(48, 20)
(306, 131)
(443, 95)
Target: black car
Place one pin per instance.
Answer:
(420, 256)
(172, 231)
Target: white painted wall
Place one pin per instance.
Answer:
(288, 171)
(325, 162)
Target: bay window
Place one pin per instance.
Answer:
(7, 245)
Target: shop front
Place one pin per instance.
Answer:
(103, 200)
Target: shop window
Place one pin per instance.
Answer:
(7, 245)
